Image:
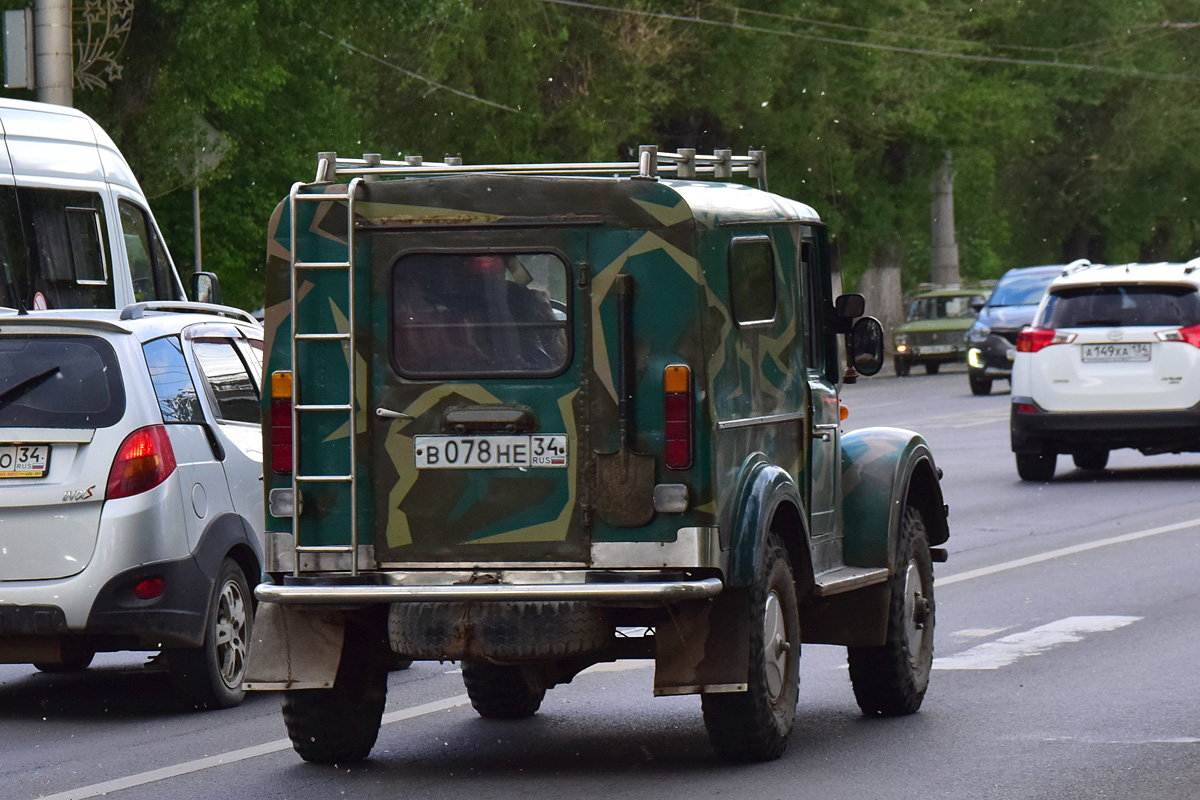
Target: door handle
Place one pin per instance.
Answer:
(824, 431)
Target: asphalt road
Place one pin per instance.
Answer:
(1066, 648)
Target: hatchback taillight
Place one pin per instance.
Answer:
(1190, 335)
(1032, 340)
(281, 422)
(677, 411)
(144, 460)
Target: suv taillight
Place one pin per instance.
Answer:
(144, 460)
(1190, 335)
(677, 411)
(281, 422)
(1031, 340)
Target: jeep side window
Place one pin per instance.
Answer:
(752, 280)
(172, 381)
(479, 314)
(148, 263)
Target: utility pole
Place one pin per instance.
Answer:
(944, 266)
(53, 65)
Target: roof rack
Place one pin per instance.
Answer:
(651, 163)
(138, 310)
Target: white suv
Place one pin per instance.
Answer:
(131, 505)
(1111, 360)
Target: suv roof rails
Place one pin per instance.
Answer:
(1191, 266)
(1076, 265)
(138, 310)
(684, 165)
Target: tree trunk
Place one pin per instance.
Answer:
(944, 269)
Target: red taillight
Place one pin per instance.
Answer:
(1031, 340)
(281, 423)
(677, 413)
(144, 460)
(1190, 335)
(1026, 408)
(149, 588)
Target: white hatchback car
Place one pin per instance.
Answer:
(1111, 360)
(131, 506)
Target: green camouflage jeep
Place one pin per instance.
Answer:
(530, 418)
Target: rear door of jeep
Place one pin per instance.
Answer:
(476, 444)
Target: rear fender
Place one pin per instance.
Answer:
(765, 490)
(881, 469)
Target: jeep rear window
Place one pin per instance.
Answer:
(59, 382)
(480, 314)
(1121, 305)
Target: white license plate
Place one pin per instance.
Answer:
(24, 460)
(1126, 351)
(496, 451)
(935, 349)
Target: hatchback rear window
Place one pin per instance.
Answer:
(59, 382)
(1122, 305)
(479, 314)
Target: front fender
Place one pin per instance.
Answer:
(881, 468)
(762, 488)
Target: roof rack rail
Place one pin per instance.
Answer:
(138, 310)
(651, 162)
(1076, 265)
(1191, 266)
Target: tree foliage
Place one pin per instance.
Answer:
(1073, 124)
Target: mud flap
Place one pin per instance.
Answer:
(705, 647)
(294, 648)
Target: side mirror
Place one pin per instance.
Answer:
(850, 306)
(978, 305)
(206, 288)
(866, 346)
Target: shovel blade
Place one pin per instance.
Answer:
(625, 483)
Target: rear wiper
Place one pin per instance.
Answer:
(26, 386)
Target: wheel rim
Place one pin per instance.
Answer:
(776, 645)
(231, 634)
(916, 613)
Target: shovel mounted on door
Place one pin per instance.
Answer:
(625, 479)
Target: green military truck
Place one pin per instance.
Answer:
(533, 417)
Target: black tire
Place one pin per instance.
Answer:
(74, 659)
(503, 691)
(1037, 467)
(902, 367)
(535, 630)
(340, 725)
(932, 367)
(980, 385)
(1091, 460)
(210, 676)
(398, 662)
(891, 679)
(754, 725)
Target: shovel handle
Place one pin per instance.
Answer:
(625, 373)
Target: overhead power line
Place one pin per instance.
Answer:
(1100, 68)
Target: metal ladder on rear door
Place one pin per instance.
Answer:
(300, 268)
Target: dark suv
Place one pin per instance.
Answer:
(992, 340)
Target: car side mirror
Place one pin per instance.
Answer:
(206, 288)
(850, 306)
(978, 305)
(866, 346)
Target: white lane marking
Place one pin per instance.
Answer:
(1066, 551)
(979, 633)
(1160, 740)
(174, 771)
(1010, 649)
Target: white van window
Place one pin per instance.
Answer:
(148, 264)
(53, 251)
